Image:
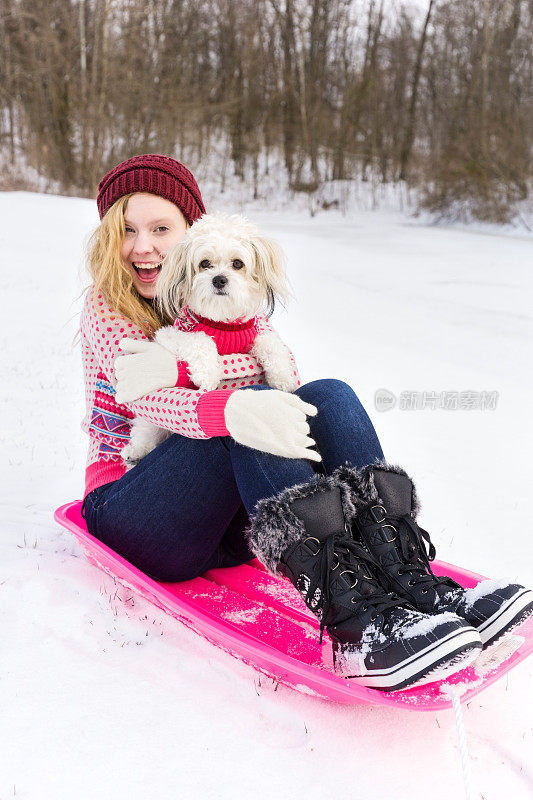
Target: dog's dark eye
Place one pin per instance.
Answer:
(205, 263)
(237, 263)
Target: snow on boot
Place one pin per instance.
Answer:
(386, 524)
(378, 640)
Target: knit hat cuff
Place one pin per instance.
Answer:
(154, 174)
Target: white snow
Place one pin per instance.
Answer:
(482, 589)
(449, 689)
(423, 625)
(495, 654)
(245, 616)
(102, 694)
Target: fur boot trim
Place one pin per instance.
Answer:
(363, 488)
(274, 527)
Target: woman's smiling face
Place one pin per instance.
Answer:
(153, 225)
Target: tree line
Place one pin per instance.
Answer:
(332, 89)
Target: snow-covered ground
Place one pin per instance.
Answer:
(104, 696)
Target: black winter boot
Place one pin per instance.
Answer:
(386, 525)
(378, 640)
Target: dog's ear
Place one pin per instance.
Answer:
(175, 279)
(270, 269)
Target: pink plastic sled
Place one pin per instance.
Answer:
(263, 621)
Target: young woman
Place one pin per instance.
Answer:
(239, 476)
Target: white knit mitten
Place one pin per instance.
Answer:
(271, 421)
(152, 367)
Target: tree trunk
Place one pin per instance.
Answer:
(409, 132)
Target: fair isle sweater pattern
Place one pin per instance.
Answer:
(188, 411)
(109, 422)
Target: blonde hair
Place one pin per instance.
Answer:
(111, 277)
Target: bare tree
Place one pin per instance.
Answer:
(410, 126)
(327, 89)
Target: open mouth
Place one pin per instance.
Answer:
(147, 273)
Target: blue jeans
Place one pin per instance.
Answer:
(184, 508)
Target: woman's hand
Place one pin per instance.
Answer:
(272, 421)
(152, 367)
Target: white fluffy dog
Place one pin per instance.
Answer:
(224, 270)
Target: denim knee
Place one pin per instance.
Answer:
(325, 389)
(322, 387)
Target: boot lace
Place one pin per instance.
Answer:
(339, 551)
(412, 539)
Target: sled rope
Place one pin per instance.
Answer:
(461, 736)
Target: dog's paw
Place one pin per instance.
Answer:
(274, 357)
(205, 373)
(198, 350)
(205, 369)
(173, 340)
(130, 456)
(285, 383)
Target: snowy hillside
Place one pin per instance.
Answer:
(104, 696)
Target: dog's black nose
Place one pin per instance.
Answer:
(219, 281)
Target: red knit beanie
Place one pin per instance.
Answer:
(154, 174)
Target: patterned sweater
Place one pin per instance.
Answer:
(183, 409)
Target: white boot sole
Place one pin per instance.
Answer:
(507, 618)
(448, 655)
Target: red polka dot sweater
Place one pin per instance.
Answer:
(181, 409)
